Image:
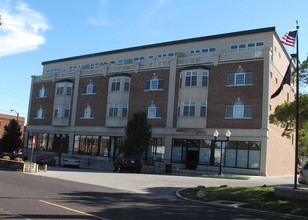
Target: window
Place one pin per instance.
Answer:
(89, 89)
(238, 110)
(69, 89)
(113, 110)
(57, 112)
(234, 47)
(190, 78)
(42, 92)
(189, 108)
(126, 84)
(239, 78)
(115, 84)
(259, 44)
(242, 46)
(67, 112)
(90, 145)
(60, 89)
(40, 113)
(156, 149)
(124, 110)
(251, 45)
(154, 83)
(203, 109)
(205, 77)
(87, 112)
(153, 111)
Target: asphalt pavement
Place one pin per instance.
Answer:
(155, 184)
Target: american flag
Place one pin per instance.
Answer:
(289, 38)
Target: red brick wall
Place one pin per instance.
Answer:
(5, 119)
(139, 99)
(220, 95)
(97, 102)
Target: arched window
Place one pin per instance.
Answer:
(87, 112)
(154, 84)
(42, 92)
(40, 113)
(240, 78)
(89, 88)
(153, 111)
(238, 110)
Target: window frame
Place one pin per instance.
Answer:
(189, 108)
(191, 78)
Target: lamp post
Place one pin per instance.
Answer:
(17, 114)
(216, 134)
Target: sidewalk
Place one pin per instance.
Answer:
(154, 184)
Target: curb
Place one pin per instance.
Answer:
(213, 204)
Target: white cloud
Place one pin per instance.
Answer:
(22, 28)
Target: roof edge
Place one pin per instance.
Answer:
(168, 43)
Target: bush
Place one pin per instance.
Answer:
(6, 158)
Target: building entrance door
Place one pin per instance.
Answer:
(192, 156)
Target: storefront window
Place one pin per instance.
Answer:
(254, 155)
(237, 154)
(205, 152)
(230, 154)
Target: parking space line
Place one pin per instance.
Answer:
(73, 210)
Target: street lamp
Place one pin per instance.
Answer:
(17, 114)
(216, 134)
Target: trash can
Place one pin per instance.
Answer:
(168, 168)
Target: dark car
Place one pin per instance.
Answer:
(46, 159)
(128, 161)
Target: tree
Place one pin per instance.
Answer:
(138, 133)
(303, 73)
(284, 116)
(11, 140)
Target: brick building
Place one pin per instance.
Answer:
(188, 88)
(5, 120)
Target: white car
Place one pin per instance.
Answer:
(303, 174)
(71, 161)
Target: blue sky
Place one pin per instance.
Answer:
(34, 31)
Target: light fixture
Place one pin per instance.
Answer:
(216, 134)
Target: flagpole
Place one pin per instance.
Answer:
(297, 109)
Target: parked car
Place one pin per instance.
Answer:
(128, 161)
(46, 159)
(303, 174)
(70, 161)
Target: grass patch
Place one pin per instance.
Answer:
(261, 198)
